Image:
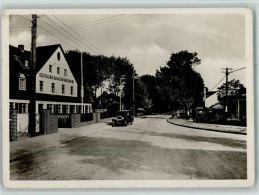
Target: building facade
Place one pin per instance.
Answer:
(56, 87)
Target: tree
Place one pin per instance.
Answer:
(179, 86)
(235, 90)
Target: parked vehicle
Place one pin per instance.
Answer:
(124, 117)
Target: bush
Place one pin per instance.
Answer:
(202, 117)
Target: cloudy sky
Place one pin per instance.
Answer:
(146, 40)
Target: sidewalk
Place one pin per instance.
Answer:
(209, 127)
(26, 146)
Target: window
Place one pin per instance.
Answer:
(41, 85)
(58, 56)
(11, 106)
(26, 63)
(22, 108)
(65, 109)
(50, 68)
(72, 109)
(65, 72)
(53, 87)
(59, 109)
(22, 82)
(72, 90)
(63, 89)
(50, 107)
(58, 70)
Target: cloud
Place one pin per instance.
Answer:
(212, 70)
(147, 59)
(148, 40)
(21, 37)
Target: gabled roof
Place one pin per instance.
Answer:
(44, 53)
(209, 93)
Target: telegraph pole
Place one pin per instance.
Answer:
(120, 94)
(82, 83)
(32, 104)
(133, 94)
(226, 96)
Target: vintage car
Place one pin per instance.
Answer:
(124, 117)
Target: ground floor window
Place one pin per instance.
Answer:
(20, 107)
(65, 109)
(57, 109)
(50, 107)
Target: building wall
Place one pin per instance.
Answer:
(22, 122)
(211, 100)
(53, 77)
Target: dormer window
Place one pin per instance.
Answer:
(22, 82)
(50, 68)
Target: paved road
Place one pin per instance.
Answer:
(149, 149)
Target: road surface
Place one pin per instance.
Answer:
(150, 149)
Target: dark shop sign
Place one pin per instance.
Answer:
(47, 76)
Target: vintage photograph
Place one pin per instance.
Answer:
(119, 95)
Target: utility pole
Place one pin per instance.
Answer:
(226, 96)
(133, 94)
(32, 104)
(82, 83)
(120, 93)
(204, 96)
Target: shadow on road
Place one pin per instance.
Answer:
(108, 158)
(216, 140)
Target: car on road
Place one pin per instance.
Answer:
(124, 117)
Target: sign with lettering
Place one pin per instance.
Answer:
(55, 78)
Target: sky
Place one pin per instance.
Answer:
(147, 40)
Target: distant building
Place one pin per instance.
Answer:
(236, 106)
(211, 99)
(56, 87)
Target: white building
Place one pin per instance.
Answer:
(56, 86)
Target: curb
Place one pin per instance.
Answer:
(207, 129)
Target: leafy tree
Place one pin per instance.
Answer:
(235, 90)
(179, 85)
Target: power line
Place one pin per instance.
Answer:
(19, 27)
(77, 34)
(47, 31)
(53, 26)
(225, 77)
(218, 83)
(237, 70)
(98, 20)
(103, 22)
(71, 35)
(57, 37)
(109, 21)
(93, 20)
